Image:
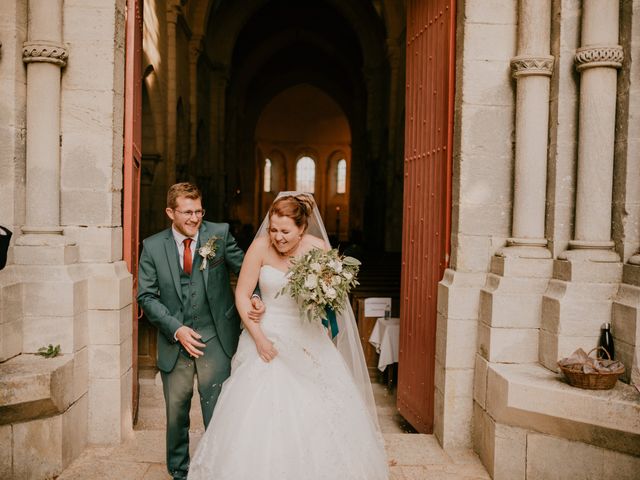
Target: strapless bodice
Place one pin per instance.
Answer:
(271, 281)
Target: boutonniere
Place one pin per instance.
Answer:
(208, 251)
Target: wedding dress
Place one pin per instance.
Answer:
(298, 417)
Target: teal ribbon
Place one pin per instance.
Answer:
(331, 323)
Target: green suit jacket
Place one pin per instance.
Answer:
(159, 291)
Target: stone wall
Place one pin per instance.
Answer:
(482, 193)
(526, 289)
(66, 283)
(13, 18)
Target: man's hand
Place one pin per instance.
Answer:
(188, 338)
(257, 309)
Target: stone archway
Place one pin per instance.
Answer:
(320, 130)
(227, 60)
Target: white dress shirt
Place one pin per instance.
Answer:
(179, 238)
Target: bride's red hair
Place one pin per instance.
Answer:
(297, 207)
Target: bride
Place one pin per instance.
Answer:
(296, 406)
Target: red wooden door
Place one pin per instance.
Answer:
(427, 199)
(132, 162)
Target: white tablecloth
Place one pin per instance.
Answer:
(385, 336)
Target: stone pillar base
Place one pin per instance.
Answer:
(110, 353)
(590, 251)
(11, 306)
(576, 304)
(510, 308)
(626, 324)
(456, 336)
(54, 297)
(45, 249)
(534, 245)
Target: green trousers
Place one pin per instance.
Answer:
(211, 370)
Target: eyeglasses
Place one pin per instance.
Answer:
(190, 213)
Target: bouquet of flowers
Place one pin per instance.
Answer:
(320, 282)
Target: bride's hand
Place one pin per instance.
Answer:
(266, 350)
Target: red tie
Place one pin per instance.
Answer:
(188, 261)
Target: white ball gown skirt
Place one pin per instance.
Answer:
(298, 417)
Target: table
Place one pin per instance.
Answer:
(385, 337)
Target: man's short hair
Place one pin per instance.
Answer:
(183, 189)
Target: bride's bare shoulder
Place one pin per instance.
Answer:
(316, 242)
(261, 243)
(259, 246)
(257, 251)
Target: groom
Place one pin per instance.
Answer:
(184, 291)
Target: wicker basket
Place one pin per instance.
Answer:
(592, 381)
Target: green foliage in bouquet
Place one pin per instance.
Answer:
(320, 279)
(49, 352)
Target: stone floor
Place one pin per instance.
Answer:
(412, 456)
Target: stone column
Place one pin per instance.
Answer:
(395, 169)
(532, 69)
(586, 277)
(173, 12)
(44, 55)
(510, 303)
(216, 167)
(374, 222)
(511, 299)
(195, 49)
(597, 61)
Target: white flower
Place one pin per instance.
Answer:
(208, 251)
(320, 279)
(336, 266)
(311, 281)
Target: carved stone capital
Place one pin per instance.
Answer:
(44, 52)
(174, 12)
(147, 172)
(394, 53)
(524, 65)
(196, 47)
(599, 56)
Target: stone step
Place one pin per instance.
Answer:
(531, 397)
(587, 271)
(33, 387)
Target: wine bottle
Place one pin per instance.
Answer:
(606, 342)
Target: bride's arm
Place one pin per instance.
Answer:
(247, 281)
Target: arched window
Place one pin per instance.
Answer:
(305, 175)
(267, 175)
(341, 186)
